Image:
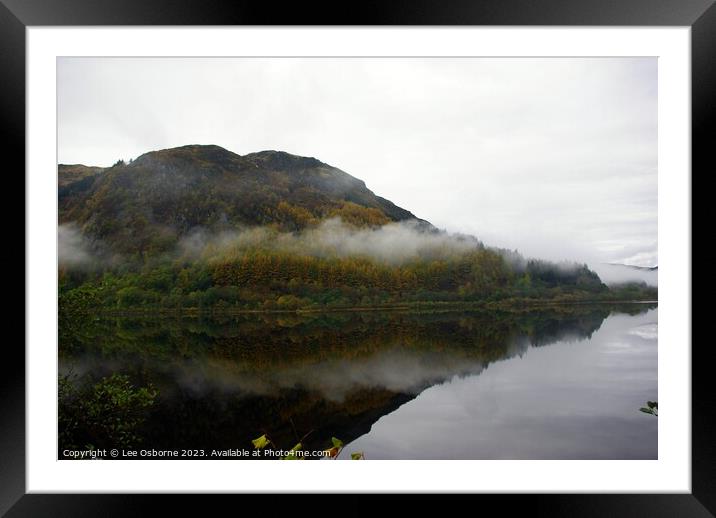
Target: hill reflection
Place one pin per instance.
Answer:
(224, 380)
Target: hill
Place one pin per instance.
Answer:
(68, 174)
(634, 267)
(201, 228)
(146, 205)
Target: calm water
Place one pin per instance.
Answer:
(564, 384)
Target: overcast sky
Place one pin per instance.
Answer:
(555, 157)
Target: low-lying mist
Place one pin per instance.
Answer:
(73, 250)
(615, 274)
(392, 244)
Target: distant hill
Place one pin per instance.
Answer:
(618, 273)
(148, 203)
(633, 267)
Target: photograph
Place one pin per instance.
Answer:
(452, 241)
(357, 258)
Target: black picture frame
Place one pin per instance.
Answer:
(16, 15)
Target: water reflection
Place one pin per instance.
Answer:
(223, 381)
(557, 402)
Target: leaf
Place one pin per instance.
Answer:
(357, 455)
(337, 443)
(645, 410)
(261, 442)
(652, 404)
(292, 453)
(332, 452)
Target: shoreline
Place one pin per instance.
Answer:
(433, 307)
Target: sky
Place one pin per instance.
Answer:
(554, 157)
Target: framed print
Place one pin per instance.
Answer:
(427, 244)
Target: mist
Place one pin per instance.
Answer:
(73, 249)
(613, 274)
(394, 243)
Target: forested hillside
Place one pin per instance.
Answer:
(202, 228)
